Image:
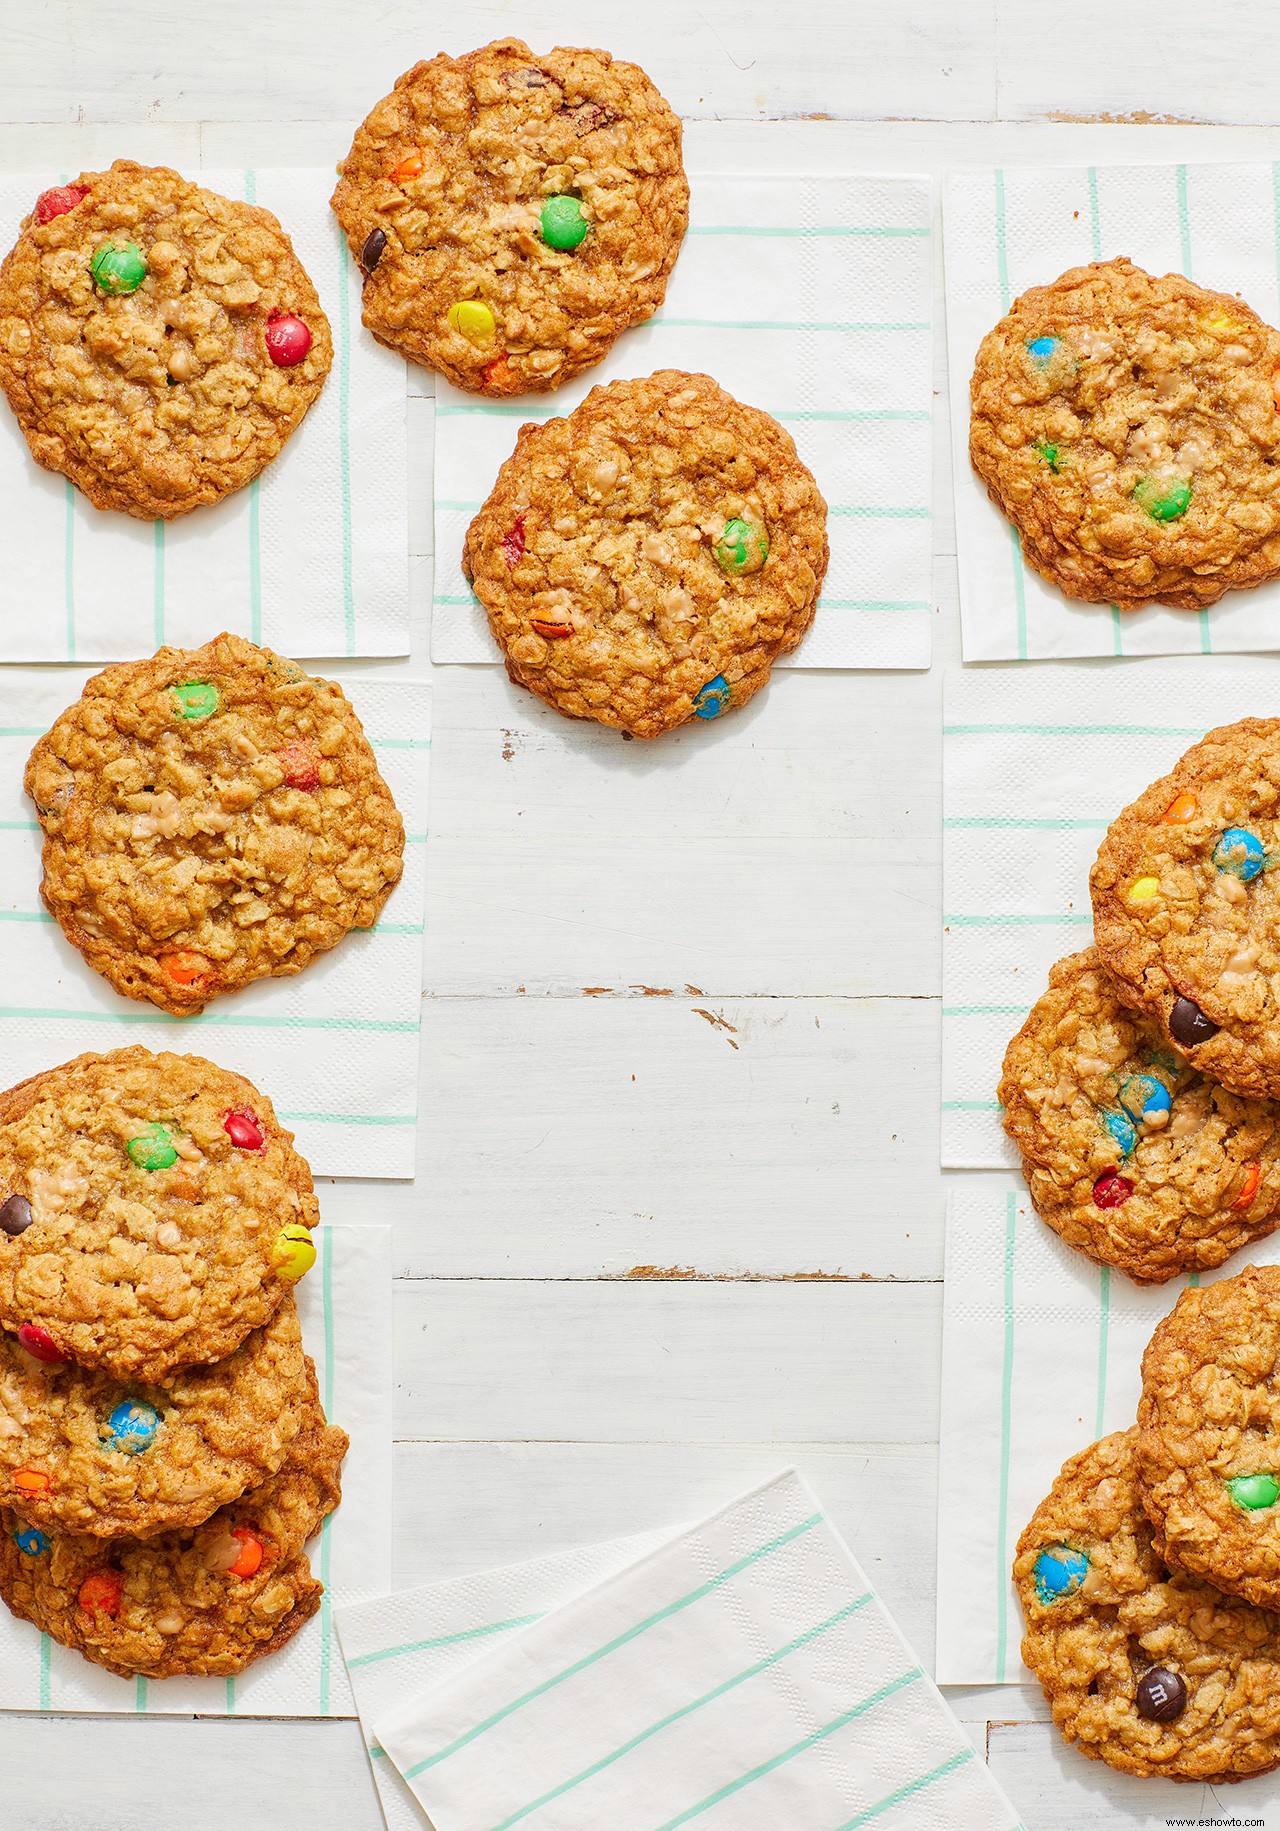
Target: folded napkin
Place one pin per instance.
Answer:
(743, 1669)
(335, 1046)
(1037, 763)
(810, 297)
(311, 558)
(1023, 226)
(345, 1306)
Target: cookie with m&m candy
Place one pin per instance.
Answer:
(1149, 1668)
(158, 343)
(1127, 425)
(204, 1600)
(513, 215)
(152, 1191)
(1209, 1450)
(211, 816)
(647, 559)
(1129, 1154)
(1186, 906)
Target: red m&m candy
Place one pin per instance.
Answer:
(300, 762)
(244, 1129)
(39, 1343)
(287, 339)
(102, 1592)
(58, 201)
(1111, 1190)
(513, 542)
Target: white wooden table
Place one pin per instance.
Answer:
(678, 1217)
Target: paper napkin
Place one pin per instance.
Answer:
(743, 1668)
(1023, 226)
(345, 1306)
(811, 298)
(1037, 763)
(335, 1046)
(311, 558)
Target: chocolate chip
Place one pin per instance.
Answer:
(15, 1216)
(1188, 1024)
(375, 244)
(1161, 1695)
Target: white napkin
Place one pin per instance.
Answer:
(335, 1046)
(345, 1306)
(1037, 763)
(744, 1664)
(311, 558)
(811, 298)
(1023, 226)
(1041, 1356)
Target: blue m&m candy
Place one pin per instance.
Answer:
(132, 1426)
(31, 1541)
(712, 699)
(1241, 853)
(1146, 1100)
(1122, 1129)
(1059, 1572)
(1042, 350)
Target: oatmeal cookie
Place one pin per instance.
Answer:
(206, 1602)
(646, 560)
(158, 343)
(212, 816)
(513, 215)
(1186, 908)
(1134, 1158)
(1127, 427)
(1209, 1453)
(153, 1211)
(83, 1452)
(1145, 1668)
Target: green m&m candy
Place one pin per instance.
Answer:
(563, 224)
(1253, 1492)
(195, 699)
(1163, 501)
(1051, 455)
(743, 547)
(153, 1149)
(118, 266)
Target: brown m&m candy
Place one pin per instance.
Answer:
(1188, 1024)
(1161, 1695)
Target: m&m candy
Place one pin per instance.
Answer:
(102, 1592)
(132, 1427)
(1042, 350)
(58, 201)
(195, 699)
(1144, 890)
(1188, 1024)
(562, 222)
(742, 548)
(245, 1129)
(1122, 1129)
(1059, 1571)
(153, 1149)
(186, 969)
(1182, 808)
(292, 1252)
(249, 1557)
(287, 339)
(1146, 1100)
(40, 1344)
(31, 1541)
(1161, 1696)
(1111, 1190)
(473, 319)
(513, 542)
(409, 167)
(1163, 501)
(1252, 1177)
(375, 246)
(1051, 455)
(31, 1481)
(15, 1215)
(711, 698)
(1241, 853)
(118, 267)
(300, 762)
(1252, 1493)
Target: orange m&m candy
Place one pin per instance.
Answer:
(409, 167)
(1183, 807)
(250, 1555)
(1252, 1177)
(31, 1481)
(102, 1592)
(187, 969)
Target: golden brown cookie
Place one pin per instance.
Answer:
(153, 1211)
(82, 1451)
(212, 816)
(514, 215)
(1185, 906)
(158, 343)
(1127, 426)
(1134, 1158)
(206, 1602)
(1144, 1668)
(646, 560)
(1209, 1453)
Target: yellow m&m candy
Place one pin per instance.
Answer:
(292, 1253)
(474, 319)
(1144, 890)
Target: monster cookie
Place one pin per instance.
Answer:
(152, 1212)
(1147, 1669)
(158, 343)
(513, 215)
(83, 1452)
(1127, 426)
(1134, 1158)
(1186, 908)
(1209, 1453)
(204, 1602)
(211, 816)
(647, 560)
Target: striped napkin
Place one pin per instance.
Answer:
(1011, 229)
(1037, 763)
(312, 558)
(811, 298)
(335, 1047)
(344, 1304)
(742, 1670)
(1041, 1356)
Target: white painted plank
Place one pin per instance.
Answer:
(622, 1362)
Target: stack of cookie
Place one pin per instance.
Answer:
(1143, 1091)
(163, 1453)
(1150, 1576)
